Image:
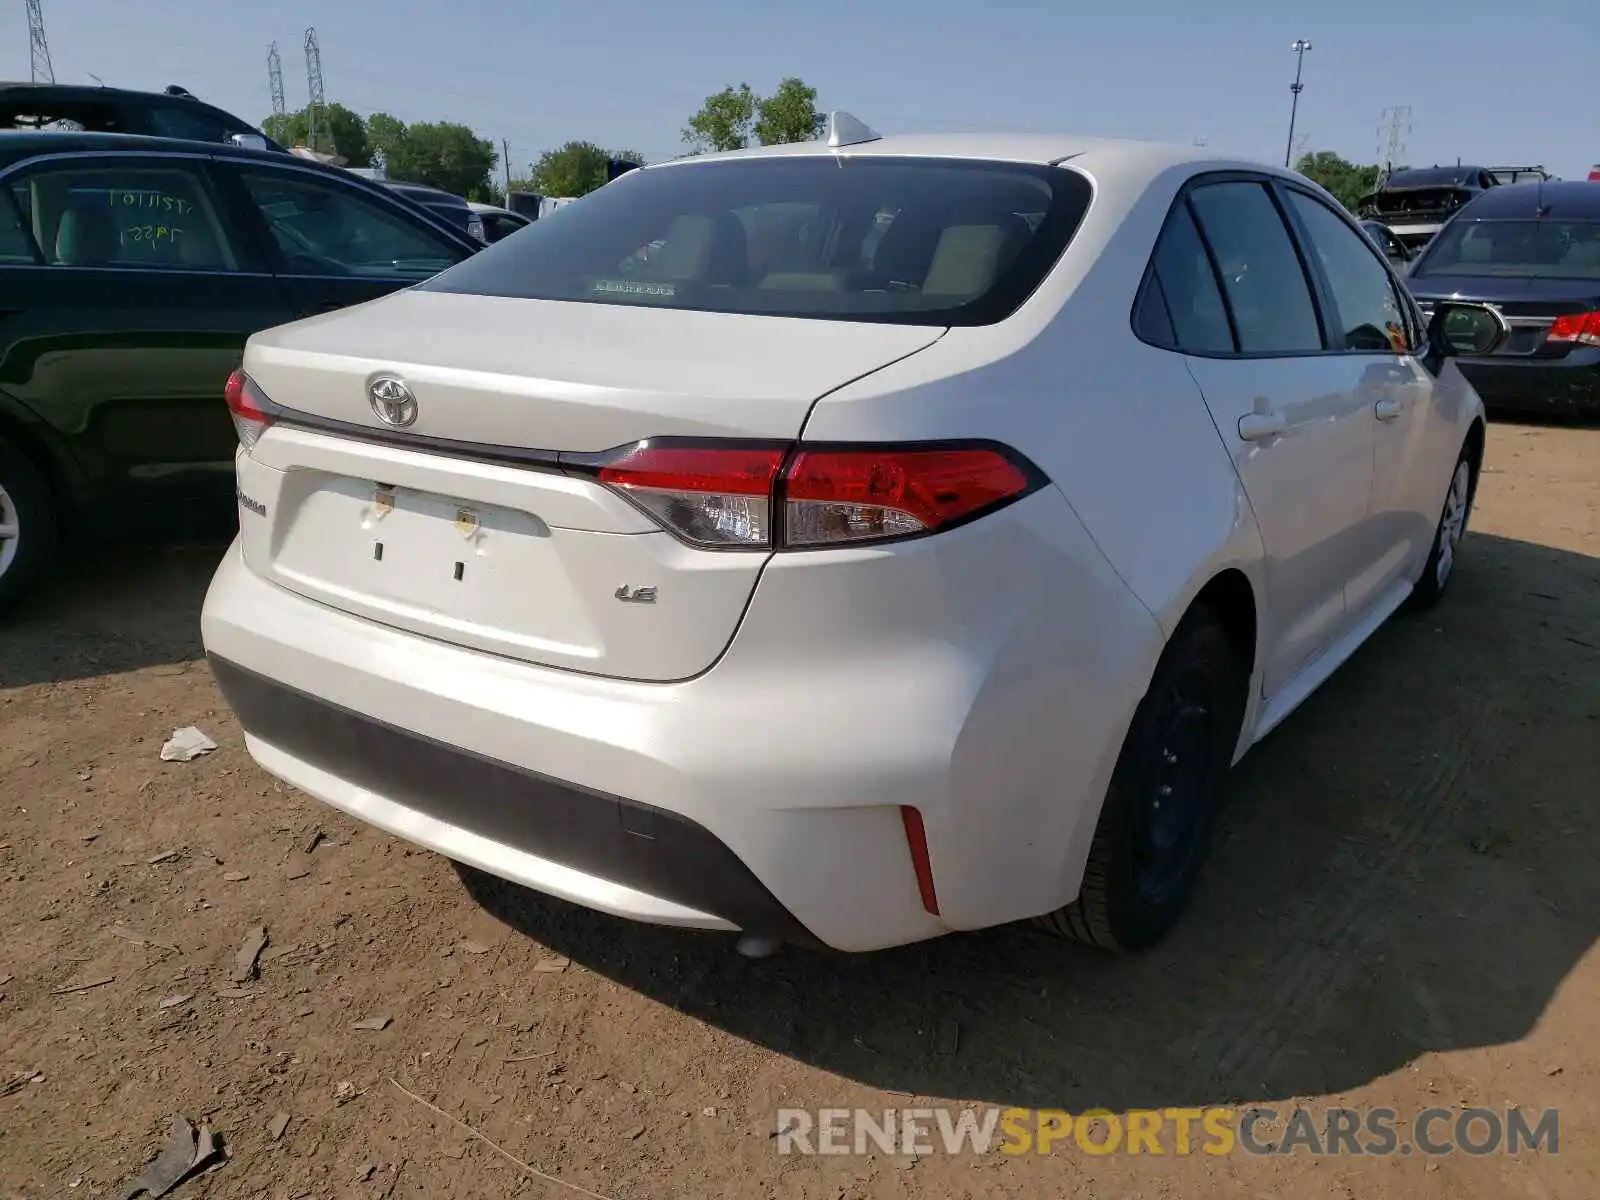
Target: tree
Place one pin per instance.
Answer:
(346, 131)
(1347, 181)
(442, 155)
(724, 121)
(789, 114)
(576, 169)
(385, 133)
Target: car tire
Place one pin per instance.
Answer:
(1447, 535)
(29, 527)
(1144, 861)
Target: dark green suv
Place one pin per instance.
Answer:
(132, 270)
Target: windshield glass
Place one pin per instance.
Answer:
(1552, 249)
(915, 241)
(1429, 177)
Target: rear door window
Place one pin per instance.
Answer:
(321, 228)
(124, 214)
(1265, 285)
(906, 240)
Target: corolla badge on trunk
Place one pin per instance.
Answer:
(391, 400)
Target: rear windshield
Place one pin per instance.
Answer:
(1549, 249)
(1430, 177)
(909, 241)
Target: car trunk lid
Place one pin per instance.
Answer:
(466, 526)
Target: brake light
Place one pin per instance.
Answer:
(718, 496)
(1579, 328)
(729, 496)
(856, 495)
(249, 408)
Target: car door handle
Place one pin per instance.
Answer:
(1387, 410)
(1258, 426)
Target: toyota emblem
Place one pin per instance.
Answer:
(392, 401)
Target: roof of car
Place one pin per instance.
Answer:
(1038, 148)
(1572, 199)
(478, 207)
(86, 91)
(19, 144)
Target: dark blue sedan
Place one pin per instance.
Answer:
(1533, 251)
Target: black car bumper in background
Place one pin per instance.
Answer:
(1567, 387)
(637, 845)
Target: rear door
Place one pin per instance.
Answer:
(334, 243)
(1301, 438)
(136, 312)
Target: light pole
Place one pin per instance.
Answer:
(1300, 47)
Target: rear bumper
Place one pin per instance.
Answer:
(985, 677)
(1569, 387)
(502, 818)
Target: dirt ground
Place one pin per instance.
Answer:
(1401, 911)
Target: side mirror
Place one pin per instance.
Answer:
(249, 141)
(1468, 330)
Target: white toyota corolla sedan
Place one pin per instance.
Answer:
(844, 543)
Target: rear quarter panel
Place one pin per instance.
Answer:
(1151, 509)
(1120, 427)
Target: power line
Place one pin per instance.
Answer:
(275, 80)
(38, 48)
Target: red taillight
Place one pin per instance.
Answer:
(725, 496)
(855, 495)
(1580, 328)
(248, 408)
(708, 495)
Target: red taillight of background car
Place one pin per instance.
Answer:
(765, 497)
(249, 408)
(1594, 173)
(1582, 329)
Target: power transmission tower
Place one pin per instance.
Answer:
(43, 72)
(316, 111)
(275, 79)
(1396, 124)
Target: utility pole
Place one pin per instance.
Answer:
(1299, 48)
(38, 48)
(275, 81)
(505, 159)
(316, 111)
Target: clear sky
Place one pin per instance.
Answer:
(1491, 83)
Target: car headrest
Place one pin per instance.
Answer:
(87, 237)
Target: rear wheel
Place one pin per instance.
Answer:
(28, 524)
(1155, 827)
(1436, 574)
